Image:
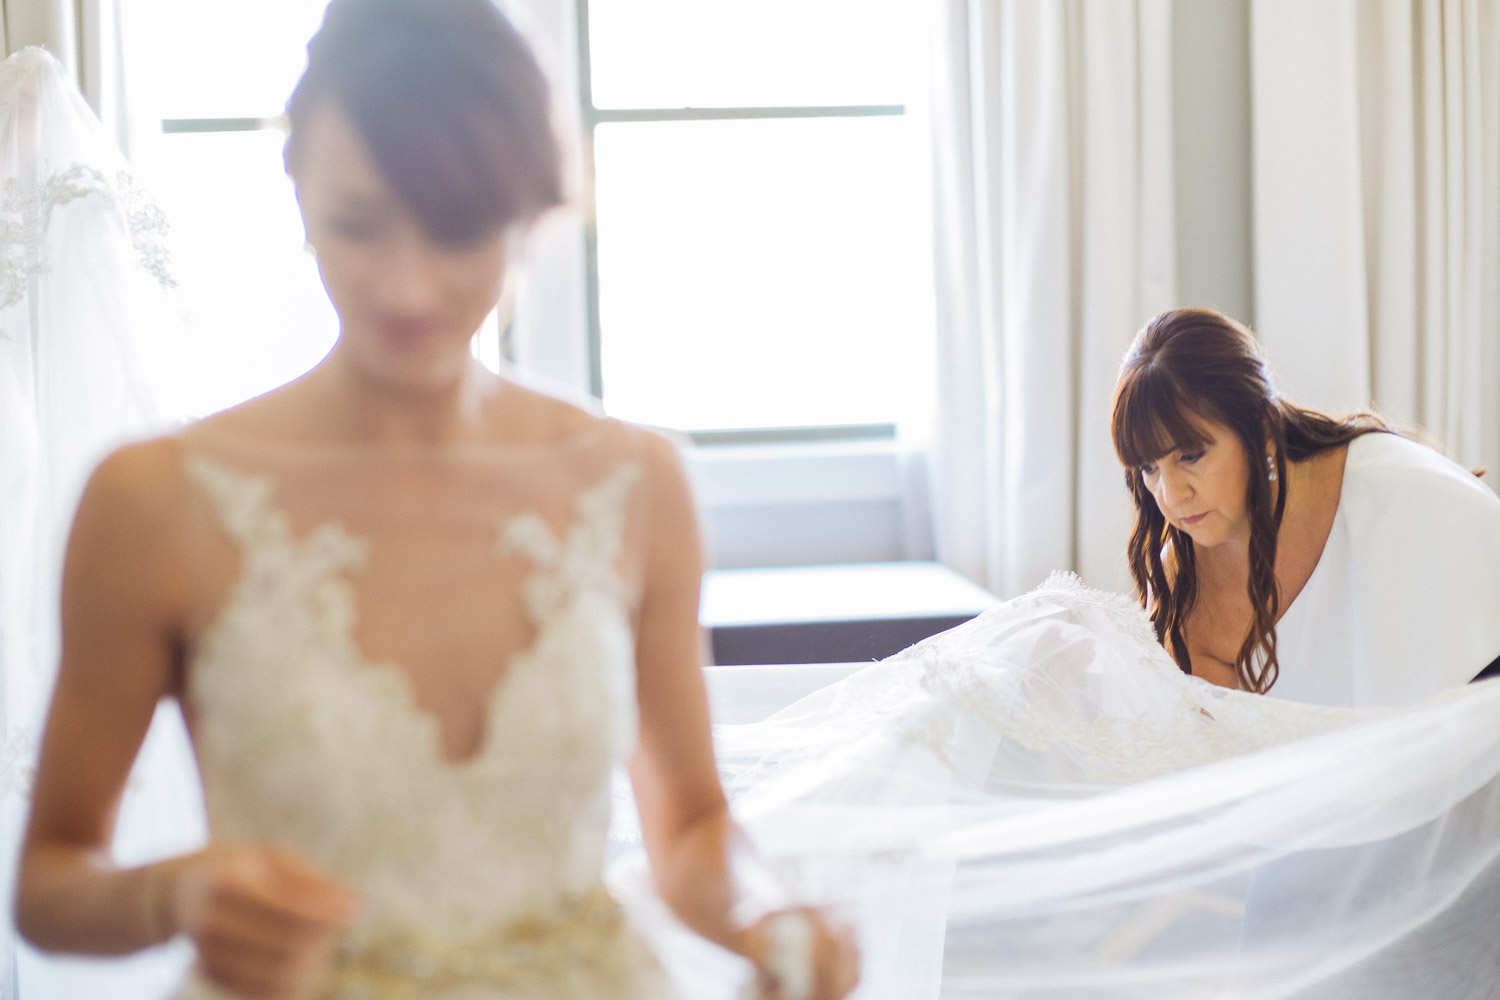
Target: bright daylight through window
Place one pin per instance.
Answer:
(760, 255)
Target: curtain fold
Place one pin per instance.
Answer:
(1377, 210)
(1054, 242)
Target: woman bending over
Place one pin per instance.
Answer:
(1280, 549)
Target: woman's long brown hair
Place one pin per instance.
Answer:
(1188, 363)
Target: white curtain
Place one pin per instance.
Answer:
(1377, 210)
(1055, 242)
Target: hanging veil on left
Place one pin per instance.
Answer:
(85, 283)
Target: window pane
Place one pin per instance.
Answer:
(256, 312)
(760, 273)
(218, 59)
(751, 53)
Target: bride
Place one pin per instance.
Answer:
(415, 614)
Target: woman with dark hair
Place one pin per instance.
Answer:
(1281, 550)
(414, 612)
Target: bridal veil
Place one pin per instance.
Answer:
(1039, 804)
(85, 281)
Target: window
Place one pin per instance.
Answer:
(212, 77)
(760, 252)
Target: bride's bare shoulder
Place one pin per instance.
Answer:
(520, 413)
(543, 417)
(286, 413)
(132, 502)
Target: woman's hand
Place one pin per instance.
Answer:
(265, 924)
(802, 954)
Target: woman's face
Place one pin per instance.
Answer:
(408, 303)
(1203, 491)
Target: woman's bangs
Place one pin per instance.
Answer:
(1151, 419)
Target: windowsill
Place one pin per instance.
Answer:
(727, 476)
(833, 614)
(829, 502)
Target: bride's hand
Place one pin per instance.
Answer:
(802, 954)
(264, 923)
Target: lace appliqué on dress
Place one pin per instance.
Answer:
(308, 744)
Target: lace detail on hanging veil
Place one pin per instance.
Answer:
(85, 283)
(83, 266)
(27, 203)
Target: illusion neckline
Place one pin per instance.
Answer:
(204, 438)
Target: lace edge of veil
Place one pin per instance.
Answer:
(27, 207)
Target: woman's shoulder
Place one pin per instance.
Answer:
(1405, 483)
(1392, 461)
(144, 471)
(136, 491)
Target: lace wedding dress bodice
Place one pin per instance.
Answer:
(348, 583)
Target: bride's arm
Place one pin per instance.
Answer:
(703, 866)
(261, 920)
(118, 657)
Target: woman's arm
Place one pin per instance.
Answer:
(703, 866)
(262, 922)
(119, 653)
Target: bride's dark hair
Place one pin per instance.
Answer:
(451, 103)
(1189, 363)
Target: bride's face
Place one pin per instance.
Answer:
(1202, 490)
(408, 302)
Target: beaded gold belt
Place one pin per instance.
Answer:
(409, 964)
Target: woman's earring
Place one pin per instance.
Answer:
(1271, 468)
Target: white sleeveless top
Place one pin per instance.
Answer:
(1405, 599)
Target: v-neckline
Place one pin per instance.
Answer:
(331, 551)
(340, 634)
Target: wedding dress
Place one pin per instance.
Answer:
(333, 580)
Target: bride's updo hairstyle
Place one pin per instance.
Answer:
(450, 102)
(1188, 363)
